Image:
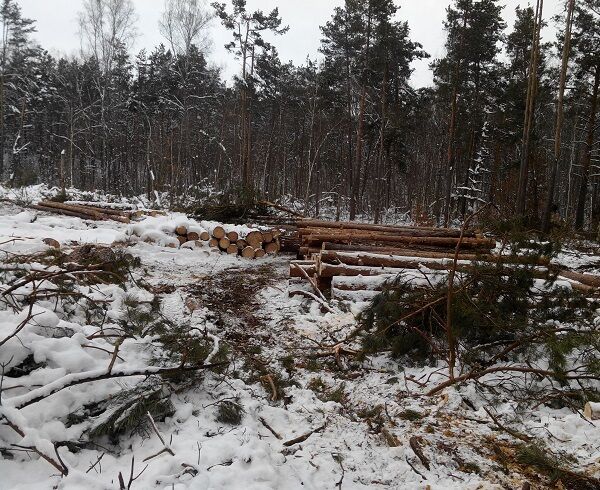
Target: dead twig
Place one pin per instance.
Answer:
(303, 437)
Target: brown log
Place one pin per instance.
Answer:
(271, 248)
(374, 237)
(205, 236)
(502, 259)
(213, 243)
(232, 249)
(193, 236)
(332, 270)
(310, 268)
(218, 232)
(64, 212)
(248, 252)
(233, 236)
(587, 279)
(181, 230)
(416, 232)
(391, 260)
(429, 231)
(254, 239)
(182, 239)
(259, 253)
(241, 244)
(97, 214)
(267, 237)
(224, 243)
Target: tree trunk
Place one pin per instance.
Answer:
(587, 158)
(529, 110)
(560, 115)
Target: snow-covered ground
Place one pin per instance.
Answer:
(364, 414)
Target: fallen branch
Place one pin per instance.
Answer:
(304, 437)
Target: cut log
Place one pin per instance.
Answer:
(181, 230)
(428, 231)
(267, 237)
(232, 249)
(248, 252)
(224, 243)
(218, 232)
(592, 411)
(64, 212)
(205, 236)
(259, 253)
(193, 236)
(587, 279)
(310, 268)
(233, 236)
(502, 259)
(271, 248)
(213, 243)
(241, 244)
(182, 239)
(254, 239)
(374, 237)
(96, 215)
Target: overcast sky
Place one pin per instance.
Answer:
(58, 30)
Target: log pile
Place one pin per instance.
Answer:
(346, 258)
(94, 211)
(248, 243)
(253, 244)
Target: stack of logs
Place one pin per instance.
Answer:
(254, 244)
(343, 256)
(90, 211)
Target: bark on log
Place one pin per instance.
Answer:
(98, 214)
(64, 212)
(502, 259)
(311, 269)
(430, 231)
(373, 237)
(587, 279)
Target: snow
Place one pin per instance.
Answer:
(213, 454)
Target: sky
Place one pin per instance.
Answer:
(58, 29)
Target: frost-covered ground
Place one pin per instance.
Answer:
(363, 414)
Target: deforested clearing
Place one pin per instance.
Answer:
(279, 245)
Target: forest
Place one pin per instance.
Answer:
(511, 118)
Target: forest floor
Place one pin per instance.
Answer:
(368, 423)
